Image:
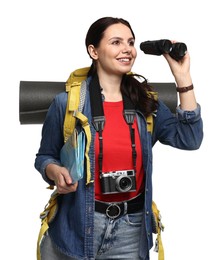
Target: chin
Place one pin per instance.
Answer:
(126, 69)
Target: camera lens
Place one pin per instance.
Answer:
(123, 183)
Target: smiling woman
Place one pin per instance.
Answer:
(109, 216)
(113, 57)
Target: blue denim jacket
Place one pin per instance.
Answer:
(72, 228)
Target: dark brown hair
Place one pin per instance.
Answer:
(135, 89)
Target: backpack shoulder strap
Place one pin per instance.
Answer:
(149, 123)
(149, 119)
(76, 89)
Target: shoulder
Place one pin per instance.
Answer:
(163, 113)
(58, 103)
(61, 98)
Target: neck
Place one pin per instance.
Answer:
(111, 87)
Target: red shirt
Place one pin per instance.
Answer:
(117, 151)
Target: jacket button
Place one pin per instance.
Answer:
(147, 213)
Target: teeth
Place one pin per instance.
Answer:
(124, 60)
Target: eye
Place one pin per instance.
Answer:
(116, 42)
(131, 42)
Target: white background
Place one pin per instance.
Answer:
(44, 40)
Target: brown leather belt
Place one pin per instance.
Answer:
(117, 209)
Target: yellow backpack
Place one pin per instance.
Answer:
(76, 96)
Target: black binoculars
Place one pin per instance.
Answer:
(175, 50)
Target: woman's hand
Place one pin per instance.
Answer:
(180, 69)
(181, 72)
(61, 177)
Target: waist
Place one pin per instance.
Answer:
(117, 209)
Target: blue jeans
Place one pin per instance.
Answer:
(117, 239)
(113, 239)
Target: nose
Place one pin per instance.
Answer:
(127, 48)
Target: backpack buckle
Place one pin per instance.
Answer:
(98, 123)
(129, 115)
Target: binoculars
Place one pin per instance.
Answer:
(175, 50)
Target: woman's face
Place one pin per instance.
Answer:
(116, 52)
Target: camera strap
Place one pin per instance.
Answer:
(98, 118)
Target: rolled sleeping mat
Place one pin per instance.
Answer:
(35, 98)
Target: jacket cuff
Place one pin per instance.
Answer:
(188, 116)
(43, 170)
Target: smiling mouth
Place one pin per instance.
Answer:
(124, 59)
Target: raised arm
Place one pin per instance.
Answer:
(181, 72)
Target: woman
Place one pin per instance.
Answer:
(96, 221)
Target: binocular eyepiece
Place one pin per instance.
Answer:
(175, 50)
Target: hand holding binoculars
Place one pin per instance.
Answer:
(175, 50)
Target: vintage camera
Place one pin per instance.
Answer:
(118, 181)
(158, 47)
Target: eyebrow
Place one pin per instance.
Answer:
(119, 38)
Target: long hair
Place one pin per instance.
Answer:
(135, 89)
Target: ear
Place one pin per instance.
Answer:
(92, 52)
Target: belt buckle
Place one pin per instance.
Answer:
(113, 211)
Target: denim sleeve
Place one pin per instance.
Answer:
(189, 116)
(52, 136)
(183, 130)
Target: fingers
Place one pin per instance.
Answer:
(64, 182)
(65, 176)
(61, 177)
(168, 58)
(64, 189)
(178, 67)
